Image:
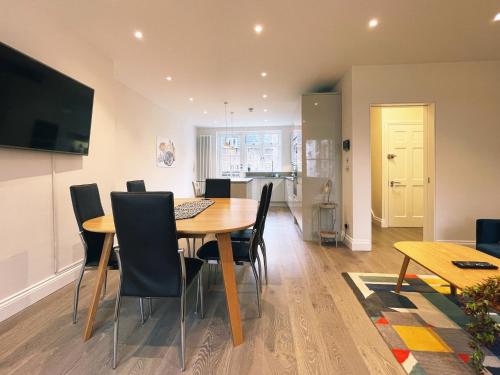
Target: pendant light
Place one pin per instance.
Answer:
(226, 140)
(232, 130)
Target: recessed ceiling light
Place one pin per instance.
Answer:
(205, 112)
(168, 78)
(373, 23)
(263, 74)
(497, 18)
(264, 96)
(316, 104)
(265, 120)
(191, 99)
(258, 28)
(138, 34)
(265, 109)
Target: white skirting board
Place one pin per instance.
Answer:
(356, 244)
(21, 300)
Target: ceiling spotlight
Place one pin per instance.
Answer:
(373, 23)
(263, 74)
(191, 99)
(316, 104)
(265, 120)
(168, 78)
(138, 34)
(264, 96)
(497, 18)
(258, 28)
(205, 112)
(265, 109)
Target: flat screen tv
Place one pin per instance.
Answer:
(41, 108)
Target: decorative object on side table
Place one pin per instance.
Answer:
(329, 233)
(479, 300)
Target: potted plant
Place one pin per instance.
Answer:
(479, 300)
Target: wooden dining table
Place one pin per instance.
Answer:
(223, 217)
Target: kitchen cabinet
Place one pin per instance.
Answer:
(278, 188)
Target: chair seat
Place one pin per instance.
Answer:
(112, 263)
(492, 249)
(193, 266)
(242, 235)
(210, 251)
(190, 235)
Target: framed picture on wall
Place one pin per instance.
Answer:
(165, 152)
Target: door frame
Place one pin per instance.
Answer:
(429, 168)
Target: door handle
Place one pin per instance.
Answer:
(395, 183)
(391, 156)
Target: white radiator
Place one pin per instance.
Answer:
(204, 157)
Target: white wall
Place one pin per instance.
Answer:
(138, 123)
(466, 97)
(36, 256)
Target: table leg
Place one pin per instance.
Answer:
(453, 290)
(233, 306)
(101, 274)
(402, 273)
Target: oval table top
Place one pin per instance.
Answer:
(225, 215)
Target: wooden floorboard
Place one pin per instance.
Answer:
(311, 321)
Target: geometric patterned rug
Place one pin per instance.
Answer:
(423, 325)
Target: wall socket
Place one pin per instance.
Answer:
(346, 226)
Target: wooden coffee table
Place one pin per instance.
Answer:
(437, 257)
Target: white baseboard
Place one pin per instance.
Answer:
(460, 242)
(21, 300)
(356, 244)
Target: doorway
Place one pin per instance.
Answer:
(402, 166)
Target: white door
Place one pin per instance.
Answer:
(405, 146)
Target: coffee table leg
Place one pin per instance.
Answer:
(233, 306)
(101, 275)
(453, 290)
(402, 273)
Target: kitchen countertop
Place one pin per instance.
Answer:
(241, 180)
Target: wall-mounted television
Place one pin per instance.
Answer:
(41, 108)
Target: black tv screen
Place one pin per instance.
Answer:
(41, 108)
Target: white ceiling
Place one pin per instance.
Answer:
(211, 51)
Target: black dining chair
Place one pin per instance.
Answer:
(243, 252)
(245, 235)
(150, 261)
(87, 205)
(217, 188)
(136, 186)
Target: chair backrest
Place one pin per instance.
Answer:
(87, 205)
(136, 186)
(266, 209)
(217, 188)
(487, 230)
(259, 221)
(148, 254)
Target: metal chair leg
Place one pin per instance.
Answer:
(260, 273)
(77, 292)
(105, 284)
(183, 331)
(264, 256)
(141, 307)
(115, 327)
(199, 295)
(150, 303)
(194, 247)
(188, 246)
(257, 288)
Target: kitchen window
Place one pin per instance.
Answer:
(248, 151)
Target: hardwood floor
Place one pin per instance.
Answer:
(311, 321)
